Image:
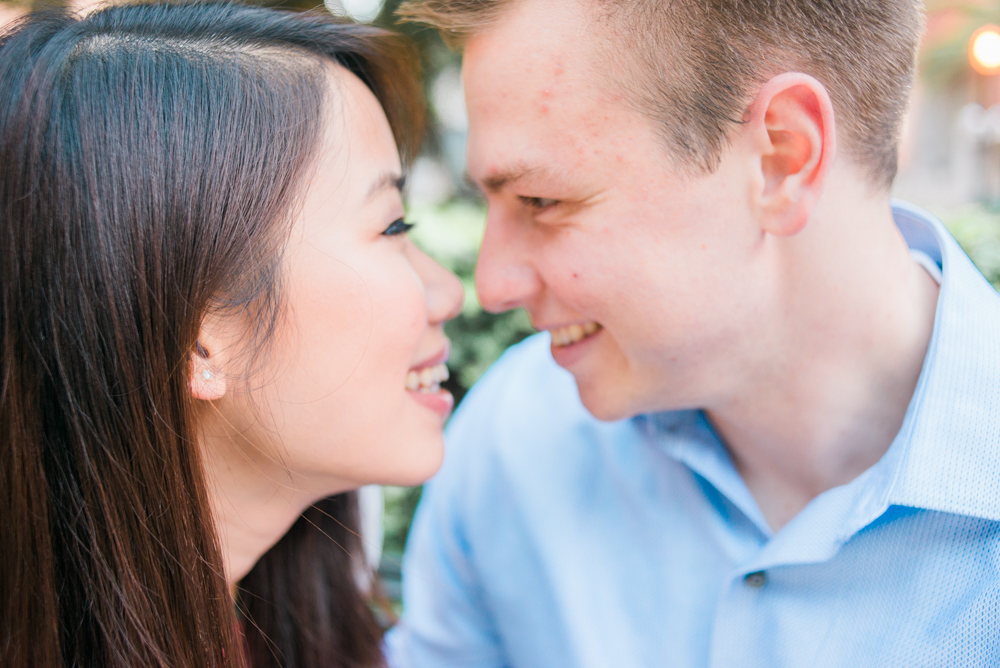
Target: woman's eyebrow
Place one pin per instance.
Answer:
(385, 181)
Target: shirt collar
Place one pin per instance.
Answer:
(951, 435)
(946, 456)
(687, 436)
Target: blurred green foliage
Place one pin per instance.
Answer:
(451, 234)
(977, 228)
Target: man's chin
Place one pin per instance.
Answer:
(603, 378)
(607, 402)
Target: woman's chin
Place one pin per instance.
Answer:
(418, 464)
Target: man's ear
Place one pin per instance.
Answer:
(208, 359)
(791, 127)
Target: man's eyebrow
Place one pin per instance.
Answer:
(496, 182)
(385, 181)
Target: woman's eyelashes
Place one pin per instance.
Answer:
(398, 226)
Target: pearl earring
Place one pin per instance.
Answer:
(206, 374)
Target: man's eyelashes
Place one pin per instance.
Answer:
(538, 203)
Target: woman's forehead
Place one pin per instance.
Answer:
(356, 127)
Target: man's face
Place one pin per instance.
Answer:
(591, 225)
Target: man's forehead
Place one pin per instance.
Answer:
(534, 47)
(537, 105)
(517, 89)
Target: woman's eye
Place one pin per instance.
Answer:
(398, 226)
(539, 203)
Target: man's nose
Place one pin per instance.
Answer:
(506, 277)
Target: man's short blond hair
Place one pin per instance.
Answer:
(695, 65)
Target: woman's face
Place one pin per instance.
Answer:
(348, 392)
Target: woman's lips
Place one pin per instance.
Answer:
(439, 358)
(441, 401)
(427, 379)
(423, 382)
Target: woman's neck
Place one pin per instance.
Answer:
(249, 520)
(254, 500)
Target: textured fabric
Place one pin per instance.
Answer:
(550, 539)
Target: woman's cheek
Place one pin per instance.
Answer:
(406, 315)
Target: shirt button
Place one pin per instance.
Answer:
(756, 580)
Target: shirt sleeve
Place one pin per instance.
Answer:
(445, 621)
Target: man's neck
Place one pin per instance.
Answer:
(844, 347)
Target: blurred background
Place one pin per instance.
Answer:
(949, 164)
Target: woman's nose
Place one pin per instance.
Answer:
(443, 290)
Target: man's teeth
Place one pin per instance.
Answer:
(565, 336)
(428, 379)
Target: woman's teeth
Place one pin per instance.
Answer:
(565, 336)
(428, 379)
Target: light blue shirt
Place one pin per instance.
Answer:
(550, 539)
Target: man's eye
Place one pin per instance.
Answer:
(398, 226)
(538, 203)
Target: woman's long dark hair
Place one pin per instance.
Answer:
(150, 156)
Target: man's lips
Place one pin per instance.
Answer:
(567, 335)
(573, 350)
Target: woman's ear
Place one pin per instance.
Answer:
(208, 382)
(792, 130)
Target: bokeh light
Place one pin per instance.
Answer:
(984, 50)
(363, 10)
